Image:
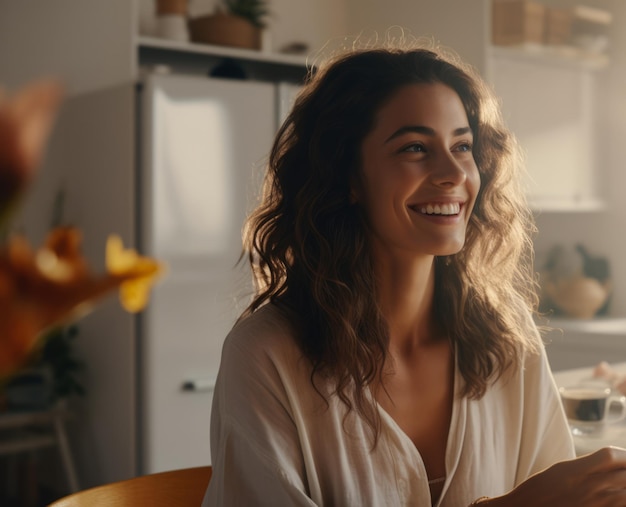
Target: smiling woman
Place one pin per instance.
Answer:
(389, 356)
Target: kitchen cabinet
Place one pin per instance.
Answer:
(204, 143)
(203, 146)
(549, 102)
(555, 101)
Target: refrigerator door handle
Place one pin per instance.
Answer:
(199, 385)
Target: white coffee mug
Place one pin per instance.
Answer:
(590, 407)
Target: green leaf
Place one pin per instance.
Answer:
(252, 10)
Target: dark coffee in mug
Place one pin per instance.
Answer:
(585, 404)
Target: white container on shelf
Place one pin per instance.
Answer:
(173, 27)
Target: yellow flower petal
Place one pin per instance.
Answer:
(134, 294)
(119, 260)
(138, 273)
(127, 263)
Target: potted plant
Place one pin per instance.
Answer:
(236, 23)
(168, 7)
(50, 376)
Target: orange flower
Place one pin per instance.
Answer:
(42, 289)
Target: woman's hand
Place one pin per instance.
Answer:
(594, 480)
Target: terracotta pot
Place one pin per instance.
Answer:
(225, 30)
(165, 7)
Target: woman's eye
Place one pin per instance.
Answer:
(464, 147)
(415, 148)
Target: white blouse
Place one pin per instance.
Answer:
(275, 442)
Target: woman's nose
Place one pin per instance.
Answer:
(447, 171)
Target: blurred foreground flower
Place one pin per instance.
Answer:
(54, 285)
(44, 288)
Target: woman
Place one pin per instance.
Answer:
(389, 356)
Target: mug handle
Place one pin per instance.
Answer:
(616, 400)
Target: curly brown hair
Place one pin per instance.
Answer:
(308, 245)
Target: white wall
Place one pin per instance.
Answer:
(463, 26)
(87, 44)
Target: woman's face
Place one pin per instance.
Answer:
(418, 180)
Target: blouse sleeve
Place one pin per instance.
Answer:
(546, 438)
(255, 450)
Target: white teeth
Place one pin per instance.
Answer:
(441, 209)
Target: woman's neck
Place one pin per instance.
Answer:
(405, 292)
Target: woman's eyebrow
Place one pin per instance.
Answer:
(421, 129)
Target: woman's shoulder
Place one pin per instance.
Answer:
(265, 332)
(261, 357)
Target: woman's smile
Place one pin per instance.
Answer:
(439, 213)
(438, 209)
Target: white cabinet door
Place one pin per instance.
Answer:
(205, 146)
(549, 107)
(286, 93)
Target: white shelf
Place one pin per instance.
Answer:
(221, 51)
(552, 55)
(597, 326)
(560, 205)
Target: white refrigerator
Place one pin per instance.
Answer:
(204, 145)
